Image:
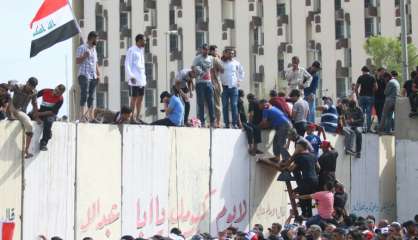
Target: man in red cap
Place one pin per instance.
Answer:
(328, 163)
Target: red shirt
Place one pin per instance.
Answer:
(280, 103)
(50, 102)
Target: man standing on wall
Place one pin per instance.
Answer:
(231, 78)
(310, 92)
(204, 86)
(217, 87)
(297, 77)
(88, 76)
(392, 91)
(368, 85)
(135, 73)
(300, 112)
(379, 95)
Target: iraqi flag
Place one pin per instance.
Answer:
(6, 230)
(54, 22)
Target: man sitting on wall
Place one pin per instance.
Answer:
(173, 108)
(124, 116)
(352, 131)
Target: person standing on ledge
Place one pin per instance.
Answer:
(135, 72)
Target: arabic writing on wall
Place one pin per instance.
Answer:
(98, 220)
(372, 208)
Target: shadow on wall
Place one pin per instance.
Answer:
(12, 151)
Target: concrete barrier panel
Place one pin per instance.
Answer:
(230, 178)
(98, 191)
(11, 142)
(49, 185)
(387, 178)
(269, 201)
(407, 179)
(145, 179)
(189, 181)
(365, 178)
(406, 127)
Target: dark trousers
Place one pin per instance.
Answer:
(306, 186)
(47, 132)
(186, 106)
(87, 90)
(413, 101)
(300, 128)
(163, 122)
(253, 133)
(378, 105)
(204, 94)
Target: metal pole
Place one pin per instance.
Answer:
(404, 42)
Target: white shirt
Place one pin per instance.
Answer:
(296, 78)
(233, 73)
(135, 67)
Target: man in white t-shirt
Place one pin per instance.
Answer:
(135, 74)
(297, 77)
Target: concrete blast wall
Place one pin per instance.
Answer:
(106, 181)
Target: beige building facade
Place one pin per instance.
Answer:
(265, 33)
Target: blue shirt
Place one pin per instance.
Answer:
(313, 87)
(177, 110)
(275, 116)
(329, 119)
(315, 141)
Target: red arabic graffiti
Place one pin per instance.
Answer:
(98, 219)
(232, 217)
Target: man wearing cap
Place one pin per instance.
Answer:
(22, 95)
(173, 108)
(204, 87)
(329, 115)
(310, 92)
(135, 74)
(297, 77)
(88, 75)
(367, 85)
(327, 163)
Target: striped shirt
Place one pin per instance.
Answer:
(88, 67)
(329, 117)
(50, 102)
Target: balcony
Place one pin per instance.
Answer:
(176, 3)
(202, 26)
(255, 49)
(342, 43)
(371, 11)
(125, 32)
(257, 21)
(99, 9)
(259, 77)
(228, 23)
(150, 4)
(339, 14)
(176, 55)
(102, 35)
(125, 6)
(283, 20)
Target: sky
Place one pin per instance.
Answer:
(49, 66)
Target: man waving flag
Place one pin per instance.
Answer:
(54, 22)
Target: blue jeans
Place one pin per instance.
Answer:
(387, 123)
(312, 108)
(316, 220)
(230, 98)
(204, 93)
(366, 104)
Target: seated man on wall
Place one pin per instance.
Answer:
(51, 103)
(329, 115)
(124, 116)
(22, 95)
(173, 108)
(352, 131)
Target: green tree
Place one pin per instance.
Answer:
(387, 52)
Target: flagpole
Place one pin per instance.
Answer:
(67, 86)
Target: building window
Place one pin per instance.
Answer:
(149, 70)
(337, 4)
(124, 98)
(172, 14)
(281, 9)
(368, 3)
(200, 13)
(339, 29)
(122, 73)
(200, 39)
(369, 27)
(341, 87)
(124, 21)
(100, 24)
(149, 98)
(100, 49)
(101, 100)
(397, 3)
(173, 42)
(317, 6)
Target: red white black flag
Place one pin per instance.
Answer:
(54, 22)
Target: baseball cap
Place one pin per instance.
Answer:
(317, 64)
(368, 235)
(163, 95)
(325, 144)
(205, 46)
(311, 126)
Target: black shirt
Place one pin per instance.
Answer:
(328, 161)
(305, 163)
(241, 111)
(340, 199)
(380, 92)
(366, 82)
(257, 113)
(357, 117)
(408, 87)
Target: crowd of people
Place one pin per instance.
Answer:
(350, 227)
